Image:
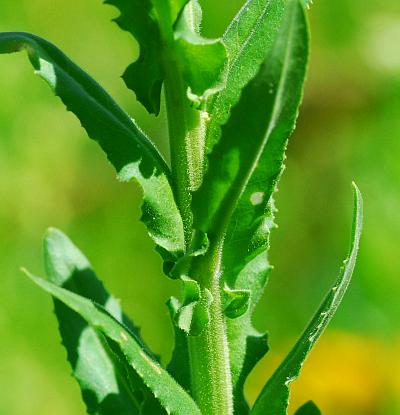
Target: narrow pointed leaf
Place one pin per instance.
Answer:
(309, 408)
(99, 372)
(128, 149)
(171, 396)
(242, 176)
(275, 395)
(247, 162)
(247, 39)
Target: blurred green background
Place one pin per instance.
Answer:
(349, 129)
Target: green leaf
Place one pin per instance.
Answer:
(126, 146)
(275, 395)
(246, 345)
(247, 40)
(243, 172)
(107, 386)
(163, 28)
(171, 396)
(145, 76)
(236, 302)
(202, 60)
(193, 315)
(309, 408)
(179, 367)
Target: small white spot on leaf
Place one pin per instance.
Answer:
(257, 198)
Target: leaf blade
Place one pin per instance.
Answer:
(163, 29)
(145, 75)
(178, 366)
(171, 396)
(243, 175)
(246, 345)
(247, 38)
(275, 394)
(106, 385)
(128, 149)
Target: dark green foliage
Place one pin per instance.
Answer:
(235, 102)
(128, 149)
(308, 408)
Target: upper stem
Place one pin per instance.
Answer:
(209, 353)
(183, 121)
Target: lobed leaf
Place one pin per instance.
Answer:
(244, 168)
(170, 395)
(193, 315)
(107, 385)
(200, 61)
(145, 76)
(128, 149)
(274, 397)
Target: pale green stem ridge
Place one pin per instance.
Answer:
(209, 352)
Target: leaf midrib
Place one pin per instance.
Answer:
(254, 28)
(233, 200)
(117, 114)
(126, 125)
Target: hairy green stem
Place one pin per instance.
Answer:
(209, 353)
(178, 119)
(183, 121)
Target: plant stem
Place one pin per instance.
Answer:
(177, 134)
(209, 353)
(183, 121)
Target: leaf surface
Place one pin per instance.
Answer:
(171, 396)
(246, 345)
(247, 162)
(274, 398)
(145, 76)
(127, 148)
(107, 385)
(179, 367)
(244, 168)
(247, 40)
(309, 408)
(168, 33)
(202, 60)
